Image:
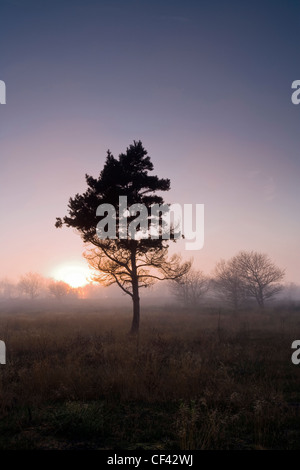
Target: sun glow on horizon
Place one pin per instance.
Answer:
(75, 275)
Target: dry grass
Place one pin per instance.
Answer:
(191, 380)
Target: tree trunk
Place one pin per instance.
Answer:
(260, 300)
(136, 314)
(135, 296)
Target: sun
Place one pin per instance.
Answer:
(75, 275)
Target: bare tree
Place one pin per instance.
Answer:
(31, 284)
(260, 276)
(190, 288)
(8, 289)
(149, 267)
(248, 275)
(291, 292)
(59, 289)
(227, 281)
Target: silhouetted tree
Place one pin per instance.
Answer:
(59, 289)
(31, 284)
(8, 289)
(227, 281)
(248, 275)
(129, 262)
(291, 293)
(259, 275)
(190, 288)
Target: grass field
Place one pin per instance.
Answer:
(75, 379)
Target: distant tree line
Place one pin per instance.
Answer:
(247, 276)
(33, 285)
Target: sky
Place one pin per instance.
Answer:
(205, 85)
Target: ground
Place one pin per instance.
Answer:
(192, 379)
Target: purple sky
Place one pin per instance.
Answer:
(206, 86)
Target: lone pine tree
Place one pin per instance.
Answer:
(129, 262)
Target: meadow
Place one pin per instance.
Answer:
(192, 379)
